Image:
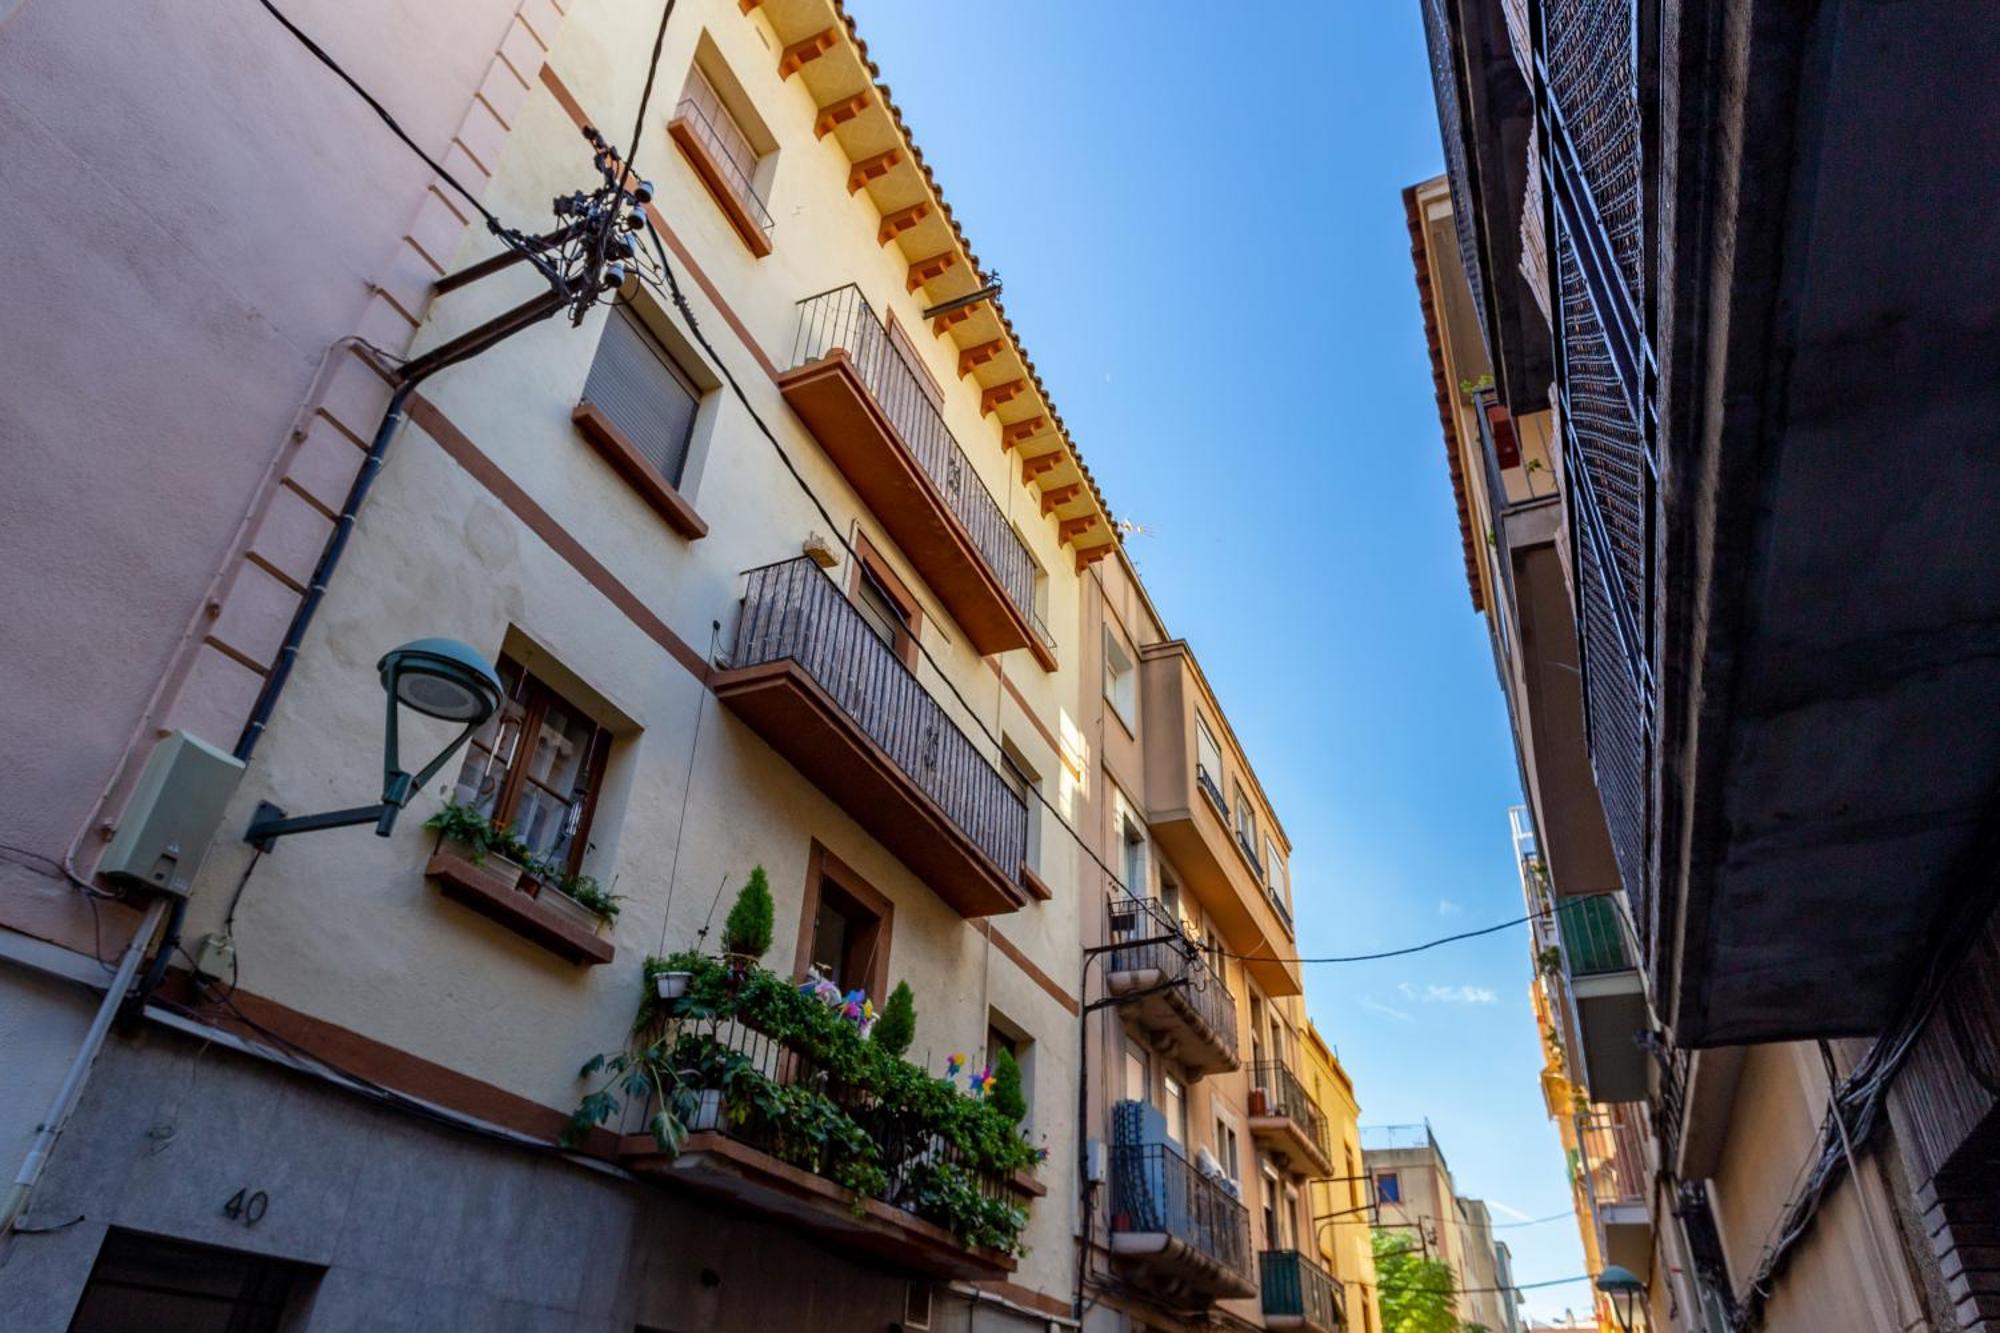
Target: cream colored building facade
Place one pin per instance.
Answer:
(796, 569)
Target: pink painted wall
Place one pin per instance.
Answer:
(192, 212)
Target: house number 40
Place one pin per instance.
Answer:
(247, 1208)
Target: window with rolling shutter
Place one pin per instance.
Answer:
(639, 389)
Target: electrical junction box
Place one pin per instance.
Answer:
(173, 815)
(1093, 1161)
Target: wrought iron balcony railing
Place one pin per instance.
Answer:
(1593, 937)
(792, 610)
(1297, 1288)
(841, 320)
(1155, 1190)
(1285, 1096)
(1176, 956)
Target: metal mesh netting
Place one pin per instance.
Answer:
(1444, 80)
(1609, 441)
(1593, 78)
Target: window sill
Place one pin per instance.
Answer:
(653, 488)
(1034, 884)
(493, 894)
(755, 239)
(1025, 1182)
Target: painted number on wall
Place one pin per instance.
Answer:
(247, 1208)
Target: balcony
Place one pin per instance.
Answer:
(1165, 986)
(734, 192)
(1178, 1231)
(1617, 1179)
(752, 1166)
(1298, 1293)
(1285, 1120)
(1189, 816)
(809, 675)
(1608, 998)
(873, 414)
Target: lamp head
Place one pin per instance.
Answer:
(1624, 1288)
(442, 678)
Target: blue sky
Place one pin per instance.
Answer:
(1196, 212)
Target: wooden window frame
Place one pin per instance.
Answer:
(821, 866)
(537, 695)
(868, 562)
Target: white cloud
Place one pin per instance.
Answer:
(1508, 1210)
(1446, 907)
(1460, 995)
(1375, 1006)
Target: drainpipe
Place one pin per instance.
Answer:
(406, 379)
(71, 1090)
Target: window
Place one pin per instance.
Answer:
(1246, 824)
(1353, 1179)
(1208, 761)
(908, 352)
(728, 146)
(1039, 595)
(1225, 1148)
(1388, 1189)
(844, 929)
(1176, 1109)
(885, 602)
(1020, 775)
(1274, 1236)
(1295, 1230)
(1138, 1072)
(1170, 895)
(1132, 842)
(1256, 1031)
(1121, 681)
(1274, 873)
(644, 394)
(536, 768)
(1003, 1035)
(142, 1284)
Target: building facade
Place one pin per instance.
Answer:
(1659, 300)
(1416, 1200)
(789, 572)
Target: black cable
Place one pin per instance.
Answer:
(1390, 953)
(652, 69)
(493, 223)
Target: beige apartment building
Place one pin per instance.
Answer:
(781, 560)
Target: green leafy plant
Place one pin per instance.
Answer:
(1550, 961)
(848, 1108)
(1418, 1293)
(897, 1027)
(1006, 1096)
(584, 888)
(747, 931)
(481, 836)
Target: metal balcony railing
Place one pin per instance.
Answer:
(734, 177)
(1286, 1096)
(1593, 937)
(1132, 918)
(903, 1154)
(793, 610)
(841, 320)
(1155, 1190)
(1295, 1286)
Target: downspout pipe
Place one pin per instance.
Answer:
(67, 1096)
(406, 379)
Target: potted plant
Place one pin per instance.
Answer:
(577, 898)
(475, 838)
(746, 934)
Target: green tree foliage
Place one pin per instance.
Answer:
(1418, 1294)
(897, 1027)
(748, 929)
(1006, 1096)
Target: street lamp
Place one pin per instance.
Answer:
(1624, 1288)
(440, 678)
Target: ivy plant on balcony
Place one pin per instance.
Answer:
(850, 1110)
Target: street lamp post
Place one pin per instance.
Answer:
(1625, 1289)
(440, 678)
